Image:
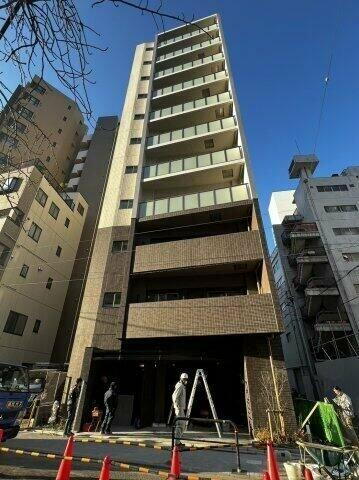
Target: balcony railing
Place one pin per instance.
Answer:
(186, 35)
(183, 107)
(209, 198)
(191, 163)
(313, 252)
(201, 129)
(188, 49)
(184, 66)
(195, 82)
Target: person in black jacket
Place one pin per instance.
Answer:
(111, 402)
(71, 406)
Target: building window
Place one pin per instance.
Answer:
(24, 270)
(142, 95)
(54, 144)
(147, 62)
(332, 188)
(119, 246)
(15, 323)
(209, 143)
(58, 251)
(80, 209)
(275, 267)
(39, 89)
(24, 112)
(206, 92)
(35, 232)
(124, 204)
(4, 159)
(131, 169)
(15, 125)
(8, 140)
(69, 107)
(346, 231)
(48, 159)
(340, 208)
(4, 254)
(145, 77)
(59, 130)
(135, 141)
(49, 283)
(31, 99)
(139, 116)
(41, 197)
(9, 185)
(351, 257)
(111, 299)
(36, 326)
(67, 222)
(149, 49)
(64, 119)
(54, 210)
(200, 55)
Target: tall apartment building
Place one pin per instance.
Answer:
(88, 177)
(40, 229)
(180, 276)
(40, 123)
(318, 251)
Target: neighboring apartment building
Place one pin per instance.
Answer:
(318, 250)
(41, 123)
(40, 229)
(88, 177)
(180, 276)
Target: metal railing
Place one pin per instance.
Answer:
(194, 82)
(211, 420)
(190, 201)
(187, 132)
(190, 48)
(183, 107)
(187, 35)
(184, 66)
(191, 163)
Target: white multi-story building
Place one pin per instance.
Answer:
(318, 249)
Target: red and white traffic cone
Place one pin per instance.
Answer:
(66, 463)
(272, 465)
(175, 464)
(105, 470)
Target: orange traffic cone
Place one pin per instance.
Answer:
(175, 464)
(66, 464)
(272, 463)
(105, 470)
(266, 476)
(308, 474)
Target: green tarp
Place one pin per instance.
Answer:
(324, 423)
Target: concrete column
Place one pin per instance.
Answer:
(85, 371)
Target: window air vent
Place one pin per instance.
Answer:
(227, 173)
(209, 143)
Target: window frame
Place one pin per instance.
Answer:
(54, 210)
(112, 304)
(24, 270)
(12, 331)
(40, 194)
(126, 204)
(36, 230)
(130, 169)
(124, 243)
(49, 283)
(36, 326)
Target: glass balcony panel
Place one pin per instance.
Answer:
(184, 50)
(164, 112)
(188, 106)
(203, 128)
(176, 204)
(200, 102)
(146, 209)
(151, 141)
(212, 100)
(232, 154)
(218, 157)
(166, 90)
(197, 62)
(190, 163)
(228, 122)
(156, 93)
(204, 160)
(163, 168)
(177, 134)
(223, 195)
(187, 84)
(165, 137)
(198, 81)
(178, 68)
(176, 166)
(239, 192)
(210, 78)
(146, 172)
(214, 126)
(177, 109)
(161, 206)
(223, 96)
(191, 201)
(177, 87)
(206, 199)
(152, 170)
(189, 132)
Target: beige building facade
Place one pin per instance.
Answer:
(180, 273)
(40, 230)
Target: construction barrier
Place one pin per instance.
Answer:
(114, 463)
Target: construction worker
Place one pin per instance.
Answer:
(179, 405)
(111, 402)
(345, 406)
(71, 406)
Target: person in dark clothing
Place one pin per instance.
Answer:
(71, 406)
(111, 402)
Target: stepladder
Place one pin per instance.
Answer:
(200, 374)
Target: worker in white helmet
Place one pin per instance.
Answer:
(179, 405)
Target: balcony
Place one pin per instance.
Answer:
(220, 196)
(188, 36)
(174, 54)
(198, 252)
(243, 314)
(296, 234)
(196, 68)
(332, 321)
(188, 140)
(196, 166)
(321, 292)
(192, 112)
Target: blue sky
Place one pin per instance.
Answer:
(279, 52)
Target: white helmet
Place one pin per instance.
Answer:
(184, 376)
